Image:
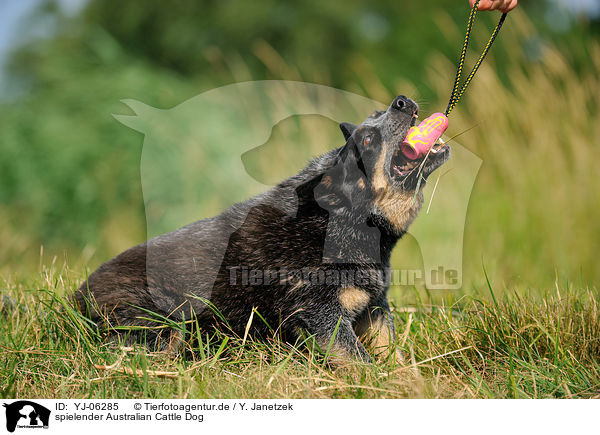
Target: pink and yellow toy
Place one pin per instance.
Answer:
(421, 138)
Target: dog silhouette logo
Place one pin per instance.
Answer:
(26, 414)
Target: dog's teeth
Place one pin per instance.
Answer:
(436, 148)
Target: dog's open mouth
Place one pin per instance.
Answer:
(402, 167)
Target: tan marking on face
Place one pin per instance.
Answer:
(353, 299)
(327, 181)
(380, 180)
(361, 183)
(398, 206)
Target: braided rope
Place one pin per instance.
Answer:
(456, 94)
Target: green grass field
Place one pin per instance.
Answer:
(519, 345)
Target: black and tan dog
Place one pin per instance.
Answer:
(311, 255)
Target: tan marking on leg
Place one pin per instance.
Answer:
(338, 355)
(361, 183)
(353, 299)
(176, 343)
(335, 350)
(398, 206)
(379, 339)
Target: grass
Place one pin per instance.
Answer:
(518, 345)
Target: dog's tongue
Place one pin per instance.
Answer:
(421, 138)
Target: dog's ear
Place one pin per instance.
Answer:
(347, 129)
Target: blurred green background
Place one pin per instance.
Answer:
(69, 172)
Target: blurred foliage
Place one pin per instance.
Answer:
(69, 173)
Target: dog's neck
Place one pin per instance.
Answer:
(363, 215)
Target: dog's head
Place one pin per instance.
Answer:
(377, 143)
(376, 171)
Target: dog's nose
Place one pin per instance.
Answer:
(403, 103)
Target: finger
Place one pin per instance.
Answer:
(499, 5)
(504, 5)
(486, 5)
(511, 5)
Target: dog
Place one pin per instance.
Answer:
(310, 256)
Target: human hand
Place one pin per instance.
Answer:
(490, 5)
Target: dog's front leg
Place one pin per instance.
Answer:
(376, 329)
(336, 335)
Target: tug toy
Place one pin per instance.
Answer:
(421, 139)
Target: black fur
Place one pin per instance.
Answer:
(340, 217)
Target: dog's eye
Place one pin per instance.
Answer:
(367, 140)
